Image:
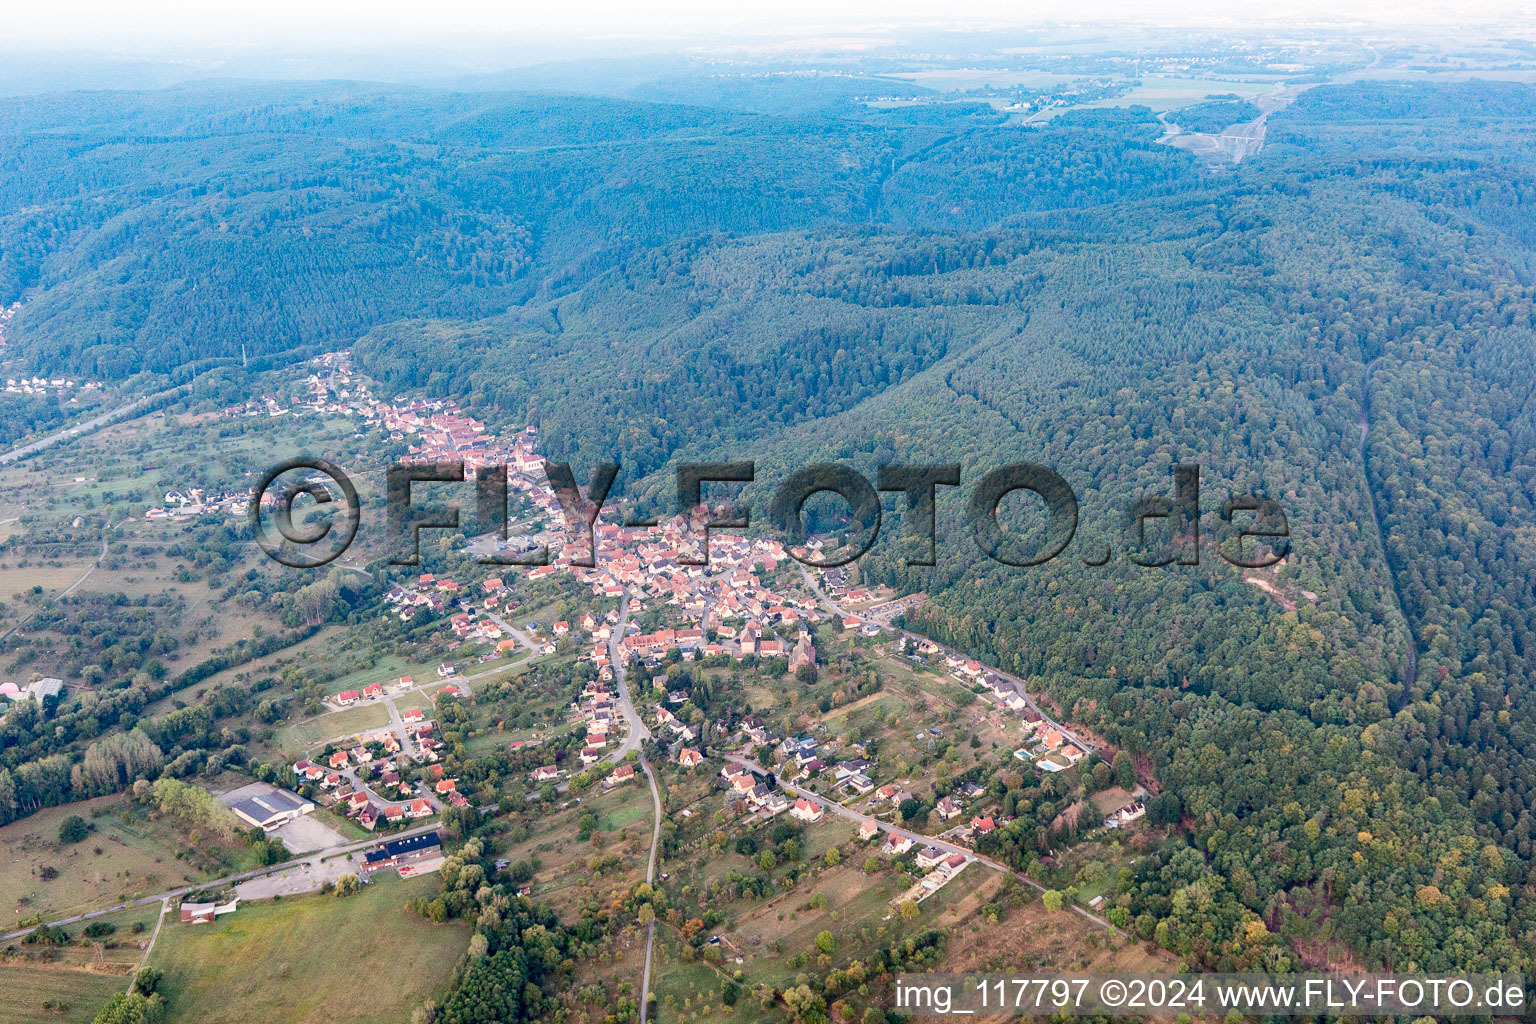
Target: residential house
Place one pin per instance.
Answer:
(773, 803)
(807, 810)
(1127, 814)
(859, 784)
(858, 766)
(622, 774)
(930, 857)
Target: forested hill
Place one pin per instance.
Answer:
(159, 228)
(1345, 323)
(1249, 322)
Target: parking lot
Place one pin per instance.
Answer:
(301, 878)
(308, 833)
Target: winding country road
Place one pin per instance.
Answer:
(860, 817)
(1018, 684)
(637, 733)
(70, 433)
(310, 858)
(165, 908)
(105, 532)
(650, 879)
(637, 730)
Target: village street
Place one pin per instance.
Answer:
(917, 837)
(314, 860)
(1017, 683)
(637, 729)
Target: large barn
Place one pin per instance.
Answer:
(271, 808)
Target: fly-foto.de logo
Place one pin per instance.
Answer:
(1155, 530)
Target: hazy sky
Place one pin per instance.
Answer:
(318, 24)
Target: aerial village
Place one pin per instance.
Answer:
(752, 601)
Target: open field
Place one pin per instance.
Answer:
(565, 873)
(1107, 801)
(15, 581)
(116, 474)
(28, 987)
(957, 79)
(1060, 942)
(689, 991)
(614, 820)
(308, 960)
(137, 857)
(301, 736)
(198, 620)
(120, 952)
(303, 653)
(1164, 92)
(386, 670)
(770, 933)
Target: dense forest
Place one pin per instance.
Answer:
(1211, 117)
(1344, 323)
(1345, 747)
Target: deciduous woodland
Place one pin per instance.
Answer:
(1338, 752)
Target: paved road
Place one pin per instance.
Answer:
(860, 817)
(296, 881)
(821, 595)
(314, 858)
(616, 656)
(69, 433)
(522, 638)
(407, 745)
(1018, 684)
(1241, 141)
(637, 733)
(650, 878)
(350, 774)
(917, 837)
(397, 723)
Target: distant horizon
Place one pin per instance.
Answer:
(45, 56)
(175, 29)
